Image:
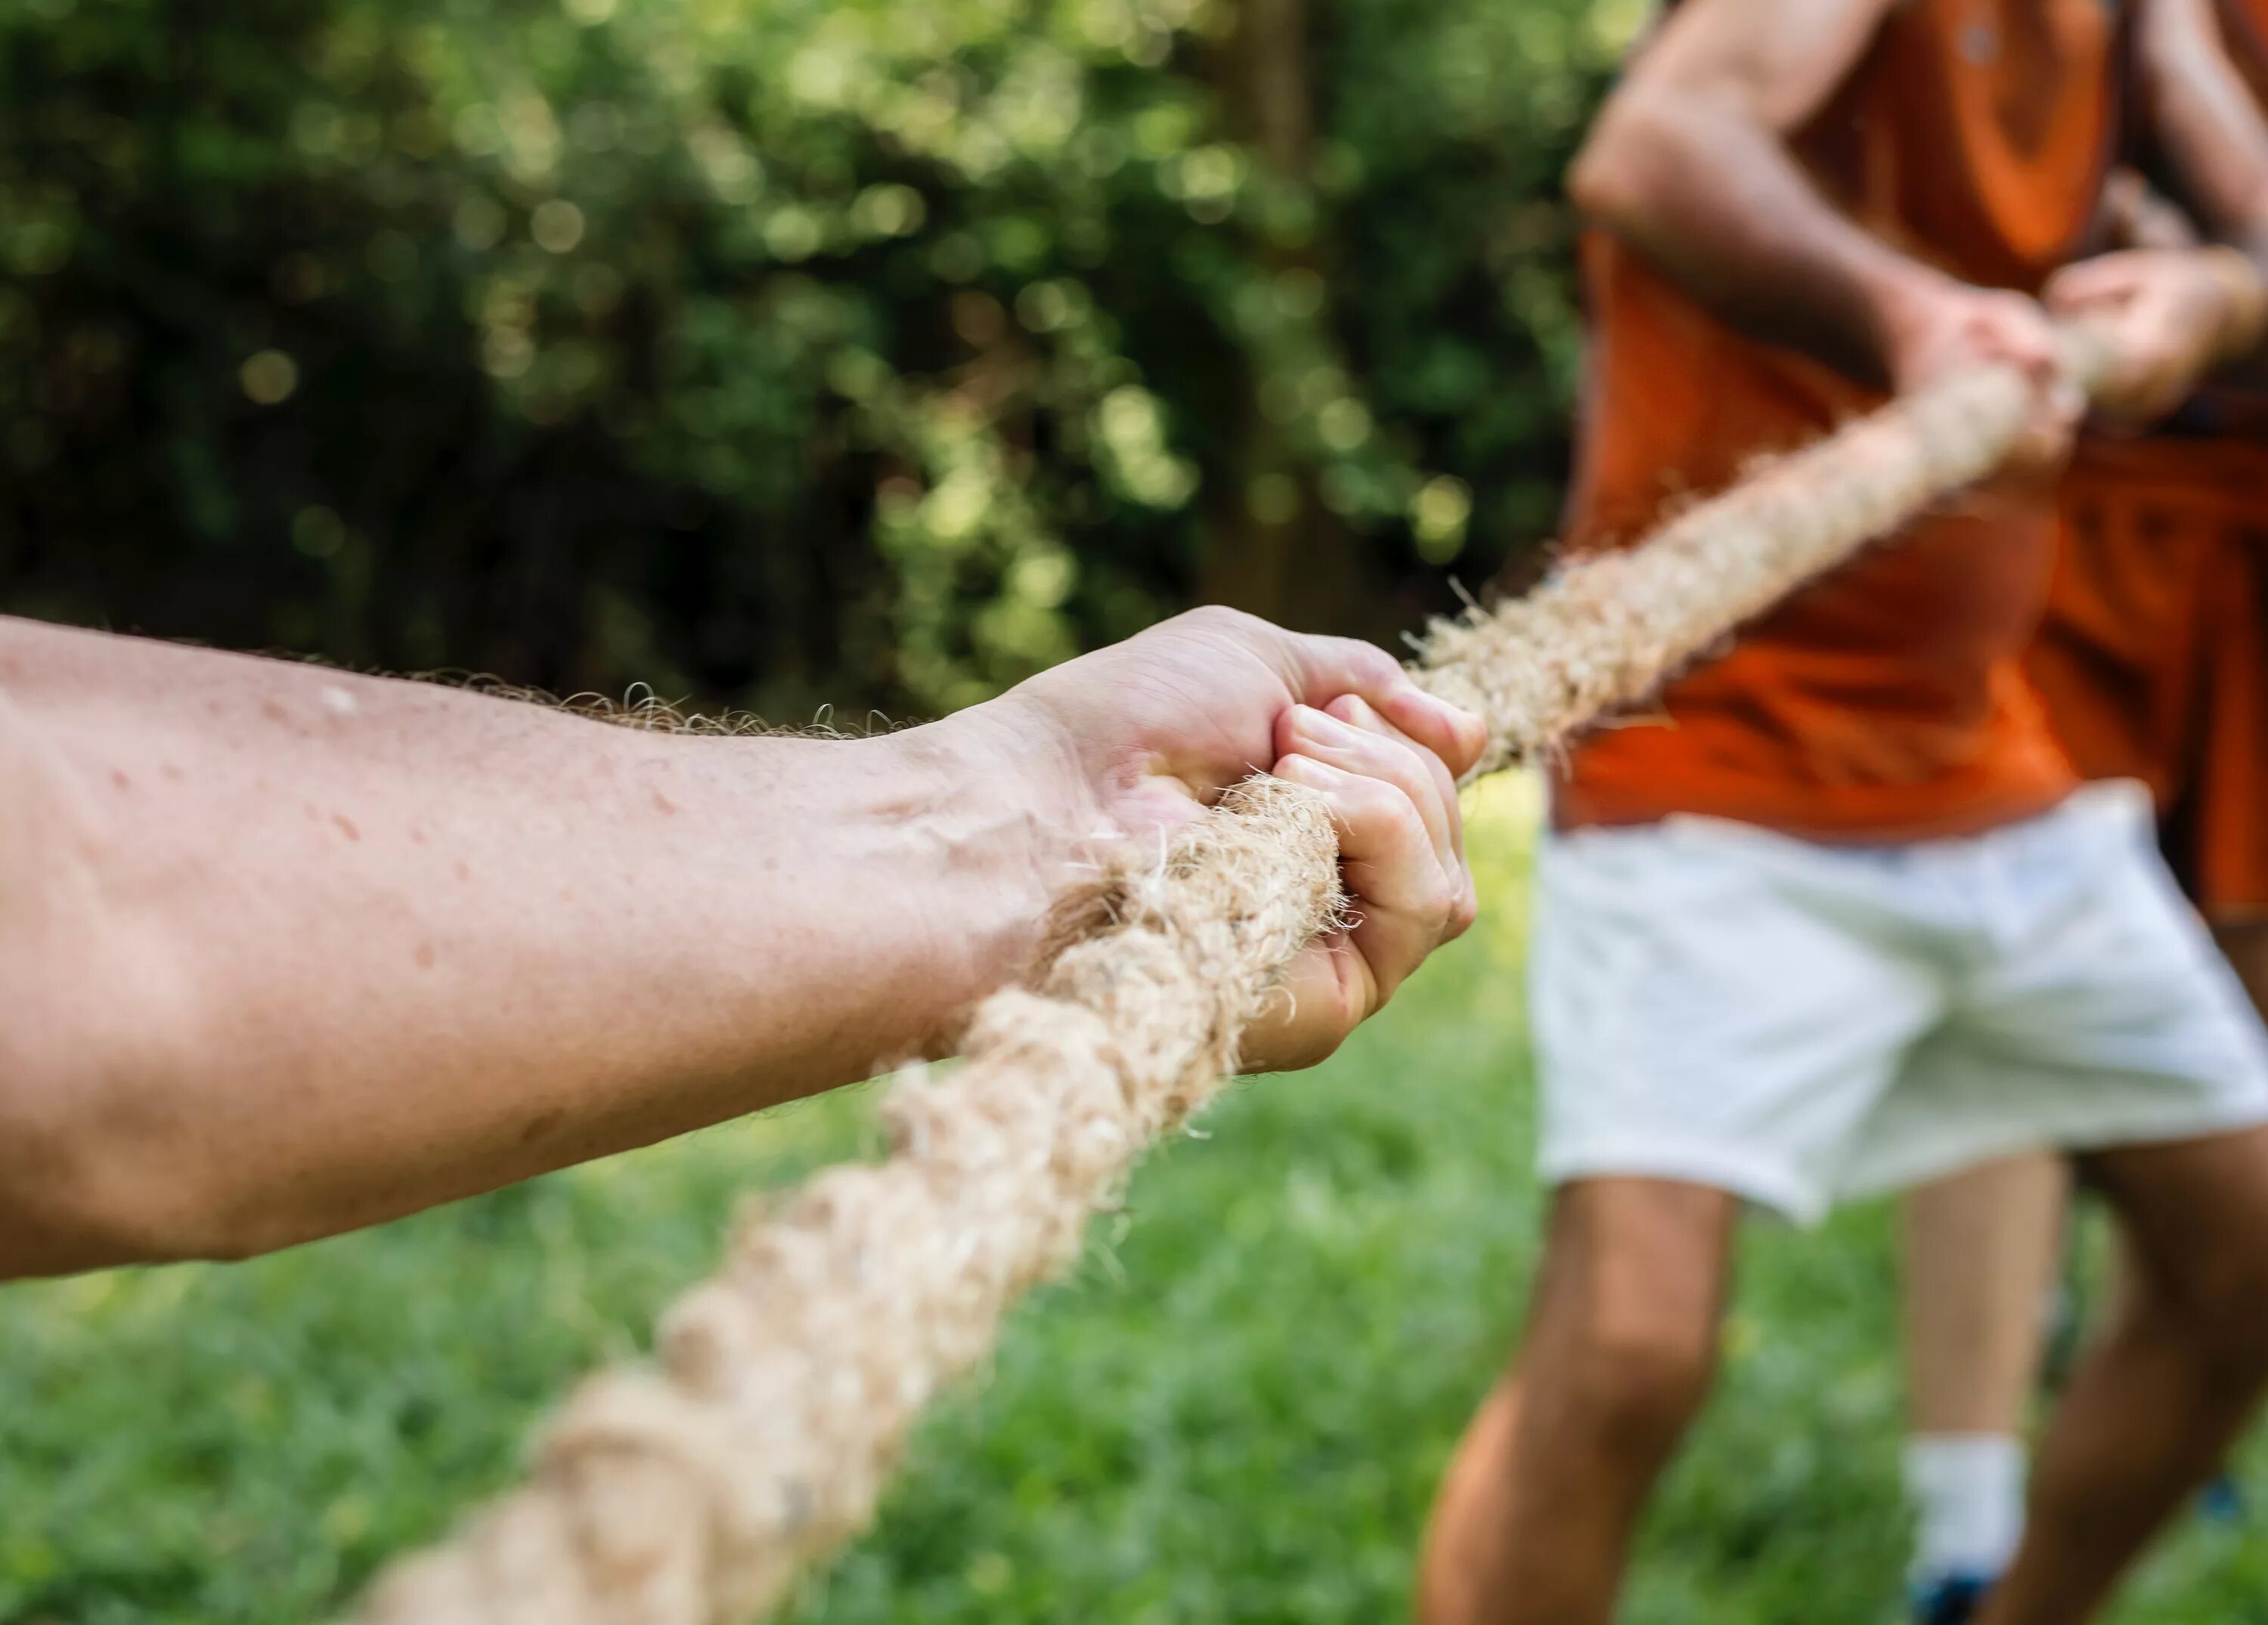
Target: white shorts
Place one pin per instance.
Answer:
(1793, 1021)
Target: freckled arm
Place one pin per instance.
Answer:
(285, 950)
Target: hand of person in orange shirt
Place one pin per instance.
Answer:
(1943, 329)
(2171, 316)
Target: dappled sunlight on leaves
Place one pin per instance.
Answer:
(429, 265)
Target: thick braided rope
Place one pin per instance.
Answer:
(1603, 633)
(697, 1494)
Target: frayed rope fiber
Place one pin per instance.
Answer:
(697, 1492)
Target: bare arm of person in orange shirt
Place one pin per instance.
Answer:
(2206, 120)
(285, 950)
(2179, 311)
(1689, 162)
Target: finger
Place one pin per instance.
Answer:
(1320, 669)
(2091, 281)
(2016, 330)
(1315, 670)
(2160, 366)
(2044, 445)
(1357, 712)
(1408, 903)
(1323, 997)
(2058, 406)
(1449, 732)
(1306, 731)
(1323, 668)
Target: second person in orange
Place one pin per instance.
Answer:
(1840, 916)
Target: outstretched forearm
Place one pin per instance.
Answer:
(1702, 189)
(288, 951)
(283, 952)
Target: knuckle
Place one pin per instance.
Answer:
(1408, 824)
(1365, 662)
(1375, 800)
(1396, 765)
(1221, 619)
(1465, 910)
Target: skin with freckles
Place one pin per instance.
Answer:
(289, 951)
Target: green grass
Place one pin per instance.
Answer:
(1236, 1412)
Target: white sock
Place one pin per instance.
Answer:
(1967, 1491)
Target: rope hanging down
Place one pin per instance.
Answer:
(697, 1493)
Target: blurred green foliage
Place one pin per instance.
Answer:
(776, 350)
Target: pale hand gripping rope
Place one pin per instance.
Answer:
(697, 1494)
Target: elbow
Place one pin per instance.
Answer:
(1612, 180)
(1597, 182)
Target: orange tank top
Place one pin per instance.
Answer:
(1886, 702)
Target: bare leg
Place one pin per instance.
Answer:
(1535, 1514)
(1980, 1252)
(2157, 1400)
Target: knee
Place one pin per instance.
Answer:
(1637, 1376)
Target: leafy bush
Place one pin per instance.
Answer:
(874, 350)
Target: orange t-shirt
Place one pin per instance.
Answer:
(2120, 657)
(2137, 622)
(1888, 700)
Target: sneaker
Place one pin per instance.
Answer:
(1951, 1600)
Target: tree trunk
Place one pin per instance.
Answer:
(1298, 565)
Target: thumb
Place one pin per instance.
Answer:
(1326, 667)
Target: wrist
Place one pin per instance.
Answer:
(1005, 824)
